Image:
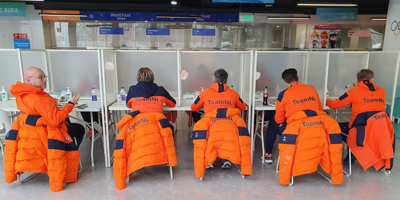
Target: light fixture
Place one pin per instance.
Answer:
(289, 17)
(379, 18)
(268, 5)
(61, 15)
(194, 22)
(178, 17)
(327, 4)
(174, 3)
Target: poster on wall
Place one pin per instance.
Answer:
(325, 37)
(21, 41)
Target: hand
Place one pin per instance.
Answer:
(75, 99)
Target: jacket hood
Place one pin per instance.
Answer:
(126, 119)
(146, 89)
(223, 113)
(367, 85)
(20, 89)
(219, 87)
(304, 114)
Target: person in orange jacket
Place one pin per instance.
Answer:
(40, 140)
(295, 98)
(145, 140)
(365, 97)
(146, 96)
(311, 138)
(221, 133)
(219, 96)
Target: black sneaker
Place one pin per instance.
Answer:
(226, 165)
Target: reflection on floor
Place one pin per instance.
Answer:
(154, 183)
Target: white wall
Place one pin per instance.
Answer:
(392, 41)
(31, 25)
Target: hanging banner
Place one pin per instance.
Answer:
(61, 18)
(160, 17)
(327, 27)
(203, 32)
(337, 14)
(13, 9)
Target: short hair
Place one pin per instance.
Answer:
(145, 74)
(220, 76)
(365, 75)
(290, 75)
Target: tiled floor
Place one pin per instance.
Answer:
(154, 183)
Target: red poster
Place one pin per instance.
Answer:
(20, 36)
(327, 27)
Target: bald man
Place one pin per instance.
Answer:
(41, 138)
(31, 99)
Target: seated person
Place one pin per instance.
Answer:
(311, 138)
(42, 132)
(145, 140)
(146, 96)
(295, 98)
(219, 96)
(221, 133)
(365, 97)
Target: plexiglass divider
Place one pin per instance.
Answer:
(316, 72)
(162, 63)
(110, 76)
(385, 66)
(10, 69)
(35, 58)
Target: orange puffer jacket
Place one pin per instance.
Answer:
(371, 140)
(33, 145)
(145, 140)
(221, 133)
(310, 138)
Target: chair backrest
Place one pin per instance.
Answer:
(5, 123)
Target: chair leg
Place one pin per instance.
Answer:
(26, 179)
(348, 174)
(170, 172)
(2, 147)
(291, 181)
(277, 165)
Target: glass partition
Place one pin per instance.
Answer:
(316, 72)
(162, 63)
(247, 76)
(10, 69)
(110, 74)
(77, 69)
(201, 66)
(343, 67)
(272, 64)
(384, 65)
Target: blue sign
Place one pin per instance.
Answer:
(13, 9)
(244, 1)
(203, 32)
(337, 14)
(111, 31)
(22, 44)
(157, 31)
(160, 17)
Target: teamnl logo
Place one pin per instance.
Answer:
(395, 27)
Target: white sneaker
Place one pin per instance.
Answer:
(268, 158)
(227, 165)
(210, 166)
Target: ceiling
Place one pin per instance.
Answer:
(280, 6)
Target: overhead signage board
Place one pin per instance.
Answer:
(337, 14)
(61, 12)
(157, 31)
(111, 31)
(159, 17)
(12, 9)
(203, 32)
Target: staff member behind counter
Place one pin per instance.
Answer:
(219, 96)
(295, 98)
